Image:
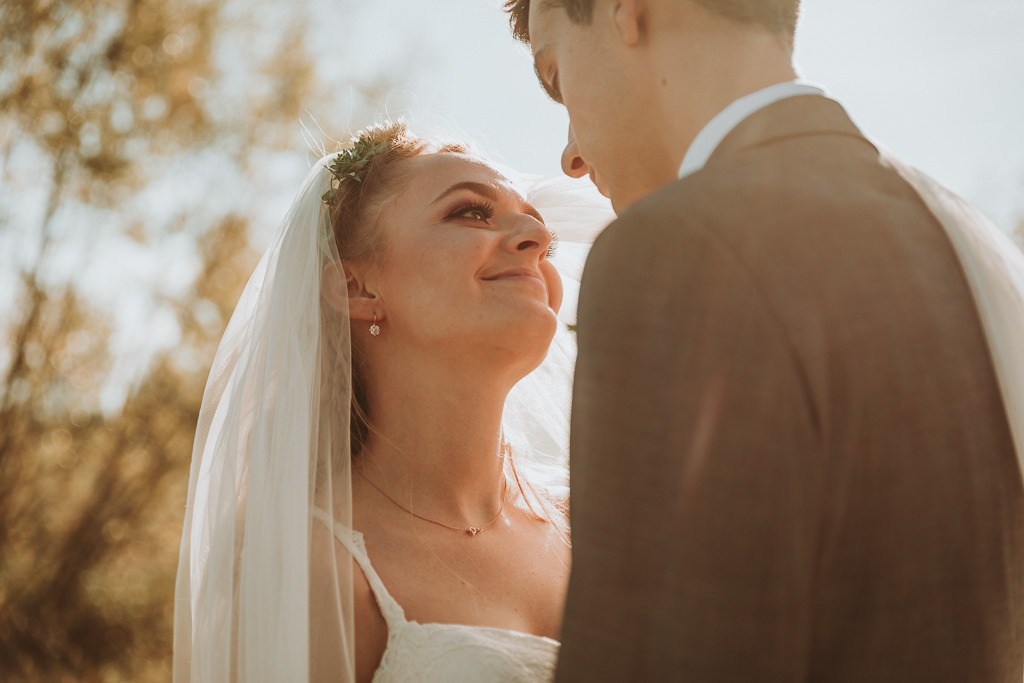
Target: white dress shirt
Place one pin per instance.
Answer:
(714, 132)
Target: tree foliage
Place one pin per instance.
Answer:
(124, 124)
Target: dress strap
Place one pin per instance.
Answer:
(353, 542)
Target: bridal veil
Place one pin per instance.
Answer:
(263, 592)
(271, 443)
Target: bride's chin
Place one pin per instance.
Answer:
(527, 362)
(541, 327)
(536, 348)
(527, 316)
(527, 339)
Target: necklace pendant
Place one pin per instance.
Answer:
(472, 531)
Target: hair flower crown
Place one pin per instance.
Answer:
(350, 164)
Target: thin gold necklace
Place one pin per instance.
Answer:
(471, 531)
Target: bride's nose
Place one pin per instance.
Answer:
(529, 235)
(573, 164)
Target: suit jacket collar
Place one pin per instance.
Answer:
(795, 117)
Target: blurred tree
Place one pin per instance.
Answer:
(128, 128)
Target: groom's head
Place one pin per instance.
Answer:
(640, 78)
(778, 16)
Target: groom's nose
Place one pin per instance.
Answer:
(573, 164)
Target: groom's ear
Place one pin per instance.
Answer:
(628, 17)
(345, 288)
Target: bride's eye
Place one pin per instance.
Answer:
(475, 210)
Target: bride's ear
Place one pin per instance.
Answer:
(345, 289)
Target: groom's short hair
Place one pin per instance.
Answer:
(779, 16)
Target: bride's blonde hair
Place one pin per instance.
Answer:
(356, 202)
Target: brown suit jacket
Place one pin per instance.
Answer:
(790, 458)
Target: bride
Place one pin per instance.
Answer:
(376, 491)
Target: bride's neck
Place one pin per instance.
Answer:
(435, 441)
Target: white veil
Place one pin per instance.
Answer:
(271, 442)
(263, 593)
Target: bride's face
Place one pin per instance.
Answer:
(464, 262)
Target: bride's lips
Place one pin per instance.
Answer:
(518, 274)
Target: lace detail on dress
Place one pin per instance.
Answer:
(426, 653)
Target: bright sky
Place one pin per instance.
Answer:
(940, 82)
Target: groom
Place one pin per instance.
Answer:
(790, 456)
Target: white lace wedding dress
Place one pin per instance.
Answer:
(444, 653)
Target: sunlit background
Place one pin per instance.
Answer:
(148, 149)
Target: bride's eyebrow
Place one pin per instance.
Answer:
(482, 189)
(490, 193)
(530, 211)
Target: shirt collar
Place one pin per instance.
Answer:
(714, 132)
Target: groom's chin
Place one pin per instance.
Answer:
(625, 195)
(623, 199)
(621, 191)
(602, 187)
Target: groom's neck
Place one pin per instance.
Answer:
(703, 63)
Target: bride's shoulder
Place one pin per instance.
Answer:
(331, 567)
